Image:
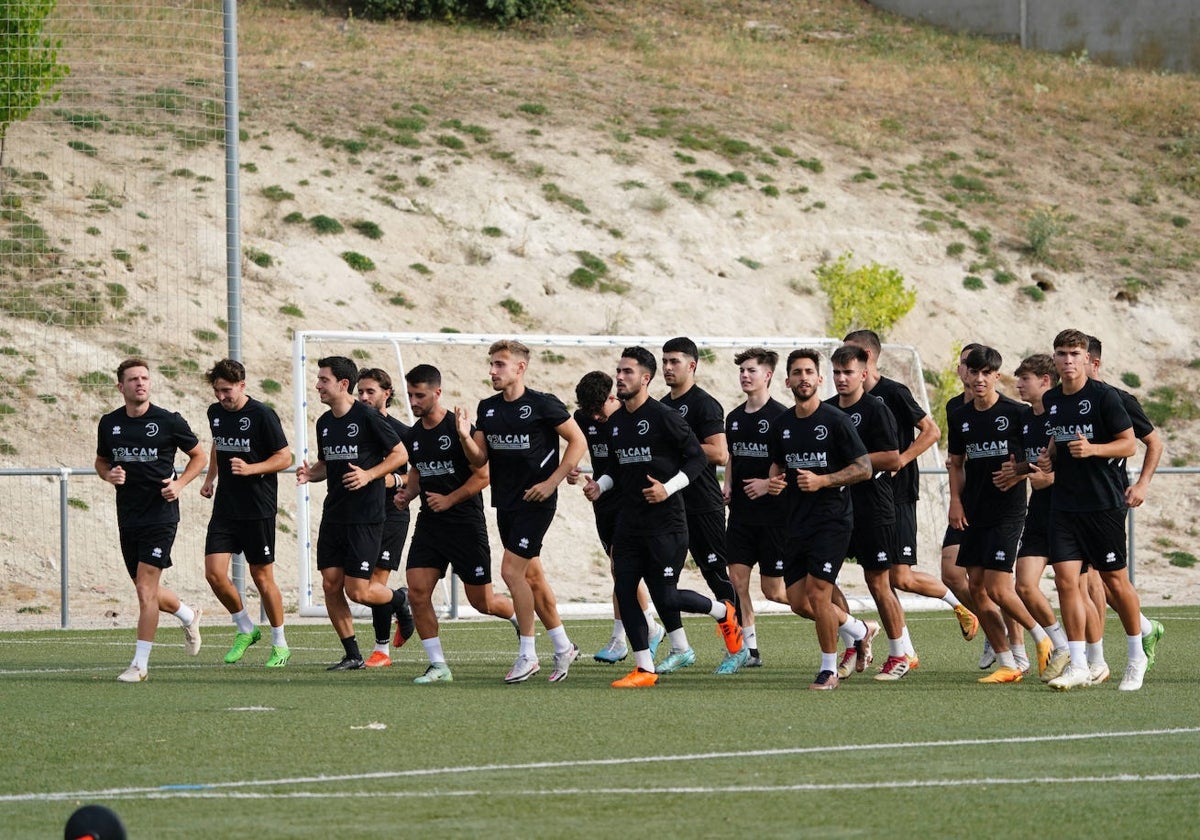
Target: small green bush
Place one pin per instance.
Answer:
(972, 282)
(871, 297)
(270, 386)
(367, 229)
(1042, 227)
(294, 218)
(276, 193)
(1034, 293)
(513, 307)
(260, 258)
(325, 224)
(1131, 379)
(358, 262)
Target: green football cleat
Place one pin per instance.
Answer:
(279, 657)
(676, 660)
(435, 673)
(1150, 641)
(241, 642)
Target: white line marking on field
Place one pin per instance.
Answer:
(226, 788)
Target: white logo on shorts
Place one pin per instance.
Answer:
(524, 543)
(479, 571)
(387, 555)
(366, 567)
(827, 568)
(157, 552)
(669, 571)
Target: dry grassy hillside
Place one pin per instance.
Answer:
(698, 159)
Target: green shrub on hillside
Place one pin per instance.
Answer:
(870, 297)
(501, 11)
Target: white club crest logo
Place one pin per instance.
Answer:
(643, 427)
(352, 430)
(1085, 406)
(244, 424)
(821, 432)
(764, 426)
(856, 419)
(151, 429)
(1002, 424)
(443, 443)
(526, 412)
(683, 410)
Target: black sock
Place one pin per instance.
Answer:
(381, 620)
(350, 643)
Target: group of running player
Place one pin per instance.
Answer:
(807, 486)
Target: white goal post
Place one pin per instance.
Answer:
(561, 360)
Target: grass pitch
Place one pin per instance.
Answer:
(223, 751)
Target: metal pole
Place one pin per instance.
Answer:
(233, 245)
(64, 586)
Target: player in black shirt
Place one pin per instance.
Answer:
(597, 403)
(248, 450)
(757, 528)
(356, 449)
(873, 541)
(652, 456)
(518, 431)
(905, 483)
(815, 455)
(135, 452)
(450, 532)
(375, 389)
(985, 435)
(1135, 495)
(1092, 436)
(703, 499)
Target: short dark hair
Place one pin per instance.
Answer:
(424, 375)
(592, 391)
(967, 348)
(341, 368)
(1095, 348)
(231, 370)
(849, 353)
(1072, 338)
(382, 377)
(804, 353)
(984, 358)
(683, 345)
(765, 357)
(867, 338)
(510, 346)
(131, 362)
(643, 357)
(1039, 364)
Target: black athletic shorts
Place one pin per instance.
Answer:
(523, 529)
(149, 544)
(657, 557)
(461, 545)
(952, 537)
(351, 547)
(1095, 537)
(391, 543)
(818, 551)
(756, 544)
(706, 538)
(992, 547)
(873, 547)
(906, 533)
(1035, 536)
(253, 538)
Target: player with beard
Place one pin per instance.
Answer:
(356, 449)
(450, 532)
(249, 449)
(703, 500)
(815, 455)
(905, 485)
(375, 389)
(756, 531)
(135, 452)
(594, 393)
(653, 455)
(518, 431)
(1091, 436)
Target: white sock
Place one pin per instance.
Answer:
(527, 647)
(185, 614)
(141, 654)
(558, 636)
(1038, 633)
(650, 619)
(829, 661)
(278, 639)
(242, 621)
(433, 649)
(852, 630)
(618, 629)
(1147, 627)
(750, 635)
(895, 647)
(1095, 652)
(909, 650)
(679, 641)
(512, 619)
(950, 599)
(381, 648)
(718, 610)
(1018, 652)
(1007, 660)
(1078, 653)
(644, 660)
(1057, 635)
(1136, 651)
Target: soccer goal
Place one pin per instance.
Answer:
(556, 365)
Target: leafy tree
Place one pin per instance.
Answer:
(29, 67)
(870, 297)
